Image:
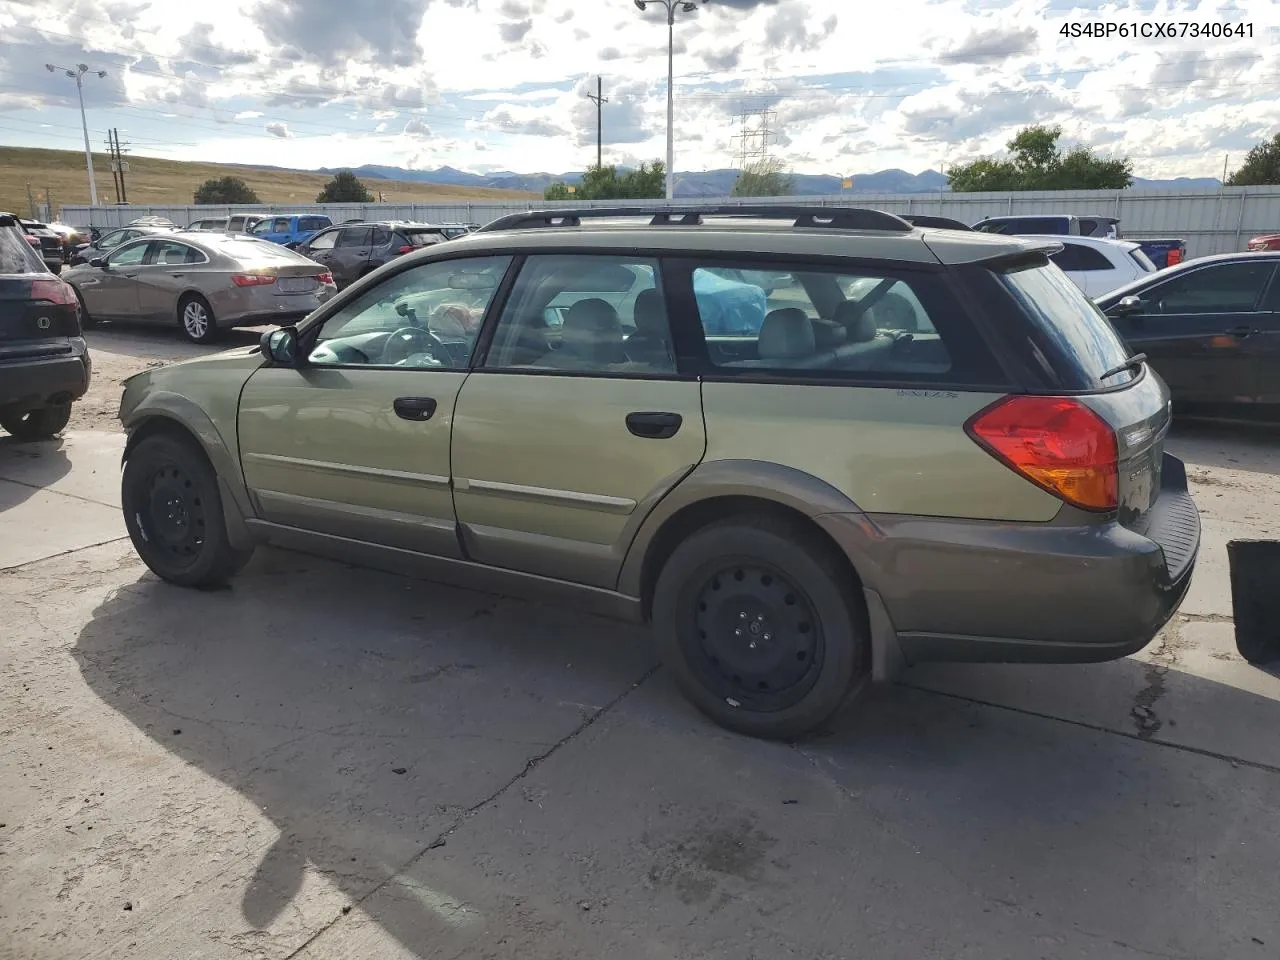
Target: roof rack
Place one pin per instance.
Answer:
(835, 218)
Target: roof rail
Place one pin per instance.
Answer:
(836, 218)
(938, 223)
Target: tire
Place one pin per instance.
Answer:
(38, 424)
(761, 626)
(86, 321)
(196, 319)
(173, 512)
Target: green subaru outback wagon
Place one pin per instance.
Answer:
(807, 445)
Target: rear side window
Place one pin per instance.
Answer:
(1142, 260)
(17, 255)
(1071, 341)
(313, 223)
(1058, 225)
(1080, 258)
(381, 236)
(813, 322)
(422, 238)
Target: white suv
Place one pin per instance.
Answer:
(1098, 265)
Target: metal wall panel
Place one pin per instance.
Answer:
(1211, 221)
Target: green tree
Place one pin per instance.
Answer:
(1262, 165)
(345, 187)
(224, 190)
(764, 178)
(648, 181)
(1036, 163)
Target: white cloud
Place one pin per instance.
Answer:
(248, 115)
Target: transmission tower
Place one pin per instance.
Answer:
(756, 136)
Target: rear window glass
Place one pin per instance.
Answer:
(423, 238)
(817, 323)
(249, 249)
(1067, 327)
(1141, 259)
(16, 254)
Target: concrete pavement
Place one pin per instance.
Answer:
(330, 762)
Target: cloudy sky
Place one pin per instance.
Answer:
(491, 85)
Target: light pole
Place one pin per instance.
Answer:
(684, 6)
(78, 76)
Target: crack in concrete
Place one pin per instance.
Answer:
(60, 493)
(54, 556)
(439, 840)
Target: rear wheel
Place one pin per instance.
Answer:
(195, 316)
(173, 512)
(38, 424)
(761, 627)
(86, 320)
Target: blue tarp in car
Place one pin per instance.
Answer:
(728, 307)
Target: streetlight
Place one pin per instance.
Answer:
(684, 6)
(78, 76)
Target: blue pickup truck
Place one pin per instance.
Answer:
(290, 229)
(1162, 251)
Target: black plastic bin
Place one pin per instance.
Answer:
(1255, 598)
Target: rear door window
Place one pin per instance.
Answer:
(355, 237)
(1081, 258)
(282, 225)
(818, 322)
(323, 241)
(381, 237)
(130, 255)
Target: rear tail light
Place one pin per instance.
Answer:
(1057, 443)
(34, 241)
(55, 291)
(1175, 256)
(407, 248)
(325, 278)
(252, 279)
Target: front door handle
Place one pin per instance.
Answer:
(654, 426)
(415, 408)
(1241, 331)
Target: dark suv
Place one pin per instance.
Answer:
(353, 249)
(44, 363)
(44, 241)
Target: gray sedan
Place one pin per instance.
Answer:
(202, 282)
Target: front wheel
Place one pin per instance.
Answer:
(761, 627)
(173, 512)
(196, 319)
(38, 424)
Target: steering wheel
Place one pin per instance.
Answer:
(410, 340)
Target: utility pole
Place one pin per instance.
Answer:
(78, 76)
(31, 203)
(122, 163)
(599, 100)
(1225, 158)
(115, 164)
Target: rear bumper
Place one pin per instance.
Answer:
(964, 590)
(32, 381)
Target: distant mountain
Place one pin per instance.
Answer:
(713, 183)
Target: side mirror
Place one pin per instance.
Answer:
(99, 262)
(1126, 306)
(281, 346)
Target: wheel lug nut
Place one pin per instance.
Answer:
(768, 636)
(742, 614)
(737, 633)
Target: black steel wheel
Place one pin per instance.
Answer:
(762, 626)
(38, 424)
(173, 512)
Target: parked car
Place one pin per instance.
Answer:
(938, 223)
(355, 248)
(1161, 251)
(1211, 327)
(1097, 265)
(290, 229)
(47, 243)
(112, 239)
(794, 512)
(1268, 241)
(44, 363)
(203, 282)
(240, 223)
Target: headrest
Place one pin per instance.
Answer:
(786, 335)
(858, 323)
(828, 333)
(651, 314)
(593, 317)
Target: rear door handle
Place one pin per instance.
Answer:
(415, 408)
(1241, 331)
(654, 426)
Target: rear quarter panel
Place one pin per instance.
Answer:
(889, 450)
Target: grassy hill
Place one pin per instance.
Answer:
(151, 180)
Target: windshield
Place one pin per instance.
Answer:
(1068, 325)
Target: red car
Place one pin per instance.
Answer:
(1268, 241)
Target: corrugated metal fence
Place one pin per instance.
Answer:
(1211, 221)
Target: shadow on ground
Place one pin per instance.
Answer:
(369, 717)
(42, 462)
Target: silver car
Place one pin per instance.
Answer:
(203, 282)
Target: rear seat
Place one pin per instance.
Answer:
(864, 346)
(787, 340)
